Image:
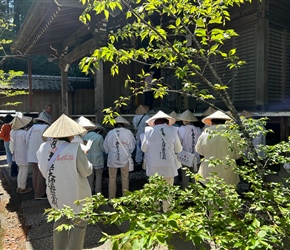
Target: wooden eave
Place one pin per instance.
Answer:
(52, 28)
(48, 26)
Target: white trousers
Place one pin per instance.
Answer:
(166, 203)
(95, 180)
(22, 176)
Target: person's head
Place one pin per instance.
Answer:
(121, 121)
(116, 125)
(160, 115)
(8, 118)
(42, 119)
(142, 109)
(161, 121)
(215, 118)
(20, 122)
(210, 110)
(174, 115)
(86, 123)
(67, 139)
(217, 121)
(248, 114)
(187, 117)
(99, 130)
(48, 108)
(64, 127)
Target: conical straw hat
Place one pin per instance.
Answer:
(20, 122)
(121, 119)
(187, 116)
(210, 110)
(229, 113)
(42, 118)
(86, 123)
(247, 114)
(174, 115)
(141, 109)
(99, 126)
(64, 127)
(216, 115)
(160, 115)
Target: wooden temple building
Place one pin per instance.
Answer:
(52, 28)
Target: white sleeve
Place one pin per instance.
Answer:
(11, 143)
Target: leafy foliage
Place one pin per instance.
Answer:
(166, 28)
(5, 78)
(188, 37)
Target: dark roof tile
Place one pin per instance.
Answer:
(40, 82)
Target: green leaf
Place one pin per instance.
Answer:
(173, 223)
(217, 20)
(200, 23)
(262, 234)
(232, 52)
(256, 223)
(107, 14)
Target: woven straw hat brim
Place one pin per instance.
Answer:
(121, 119)
(20, 122)
(35, 120)
(210, 110)
(86, 123)
(160, 115)
(187, 116)
(64, 127)
(42, 118)
(216, 115)
(141, 109)
(99, 126)
(174, 115)
(247, 114)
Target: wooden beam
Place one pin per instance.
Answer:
(284, 66)
(69, 3)
(64, 87)
(81, 51)
(99, 93)
(29, 65)
(80, 33)
(262, 27)
(34, 21)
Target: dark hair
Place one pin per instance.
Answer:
(63, 139)
(161, 121)
(40, 122)
(218, 121)
(48, 105)
(99, 130)
(119, 125)
(8, 118)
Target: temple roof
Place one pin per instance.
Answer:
(49, 83)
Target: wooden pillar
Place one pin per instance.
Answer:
(29, 65)
(64, 87)
(99, 93)
(262, 27)
(284, 128)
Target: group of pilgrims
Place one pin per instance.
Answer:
(68, 156)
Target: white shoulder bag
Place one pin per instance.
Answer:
(130, 160)
(187, 159)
